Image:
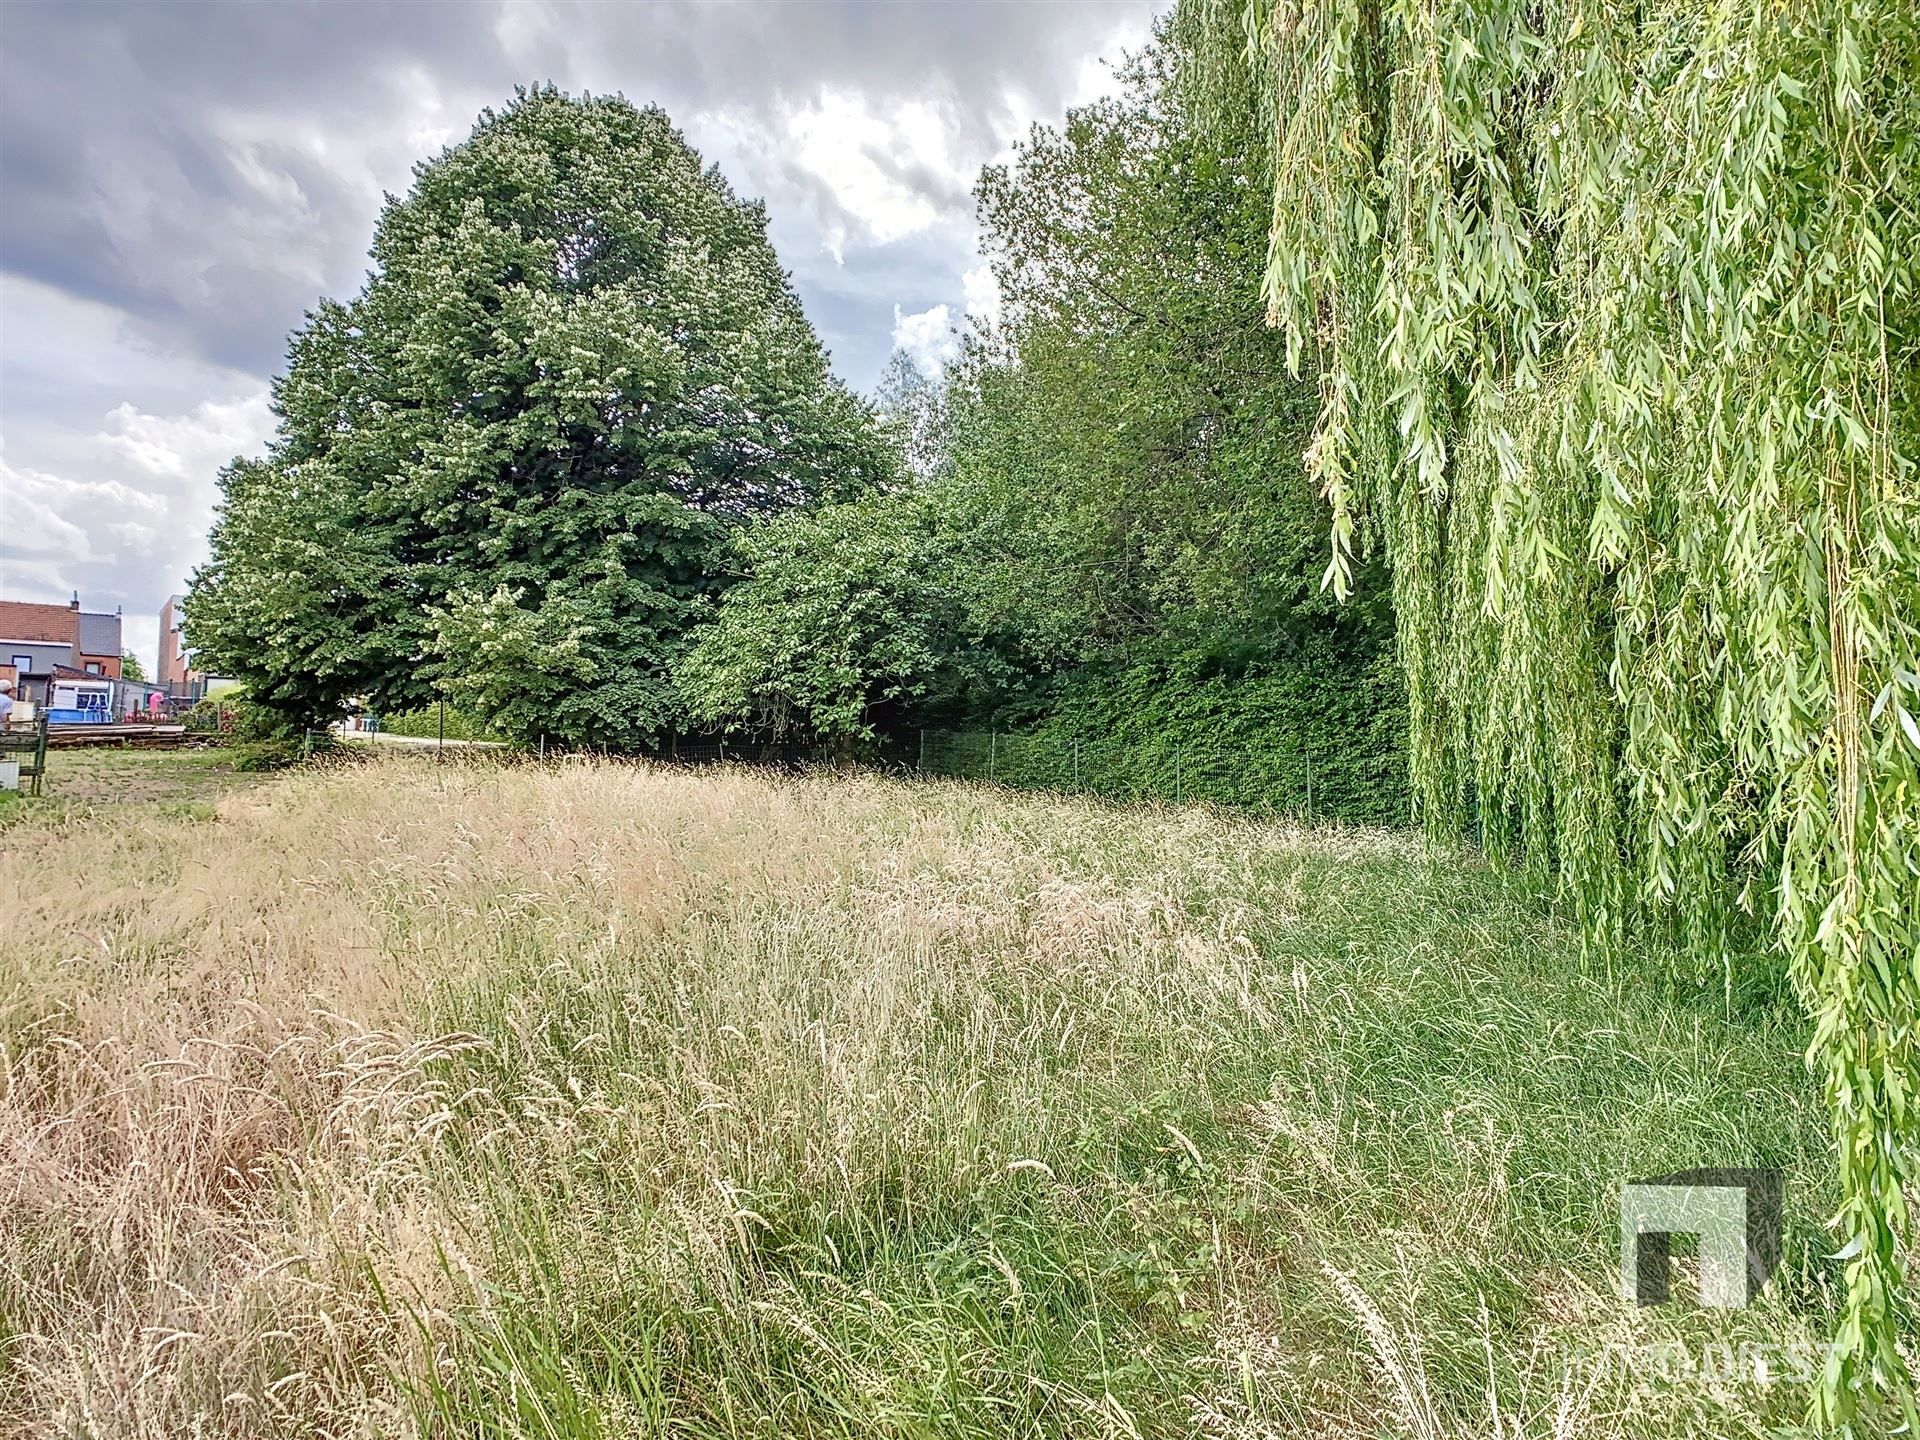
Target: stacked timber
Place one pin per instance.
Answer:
(61, 737)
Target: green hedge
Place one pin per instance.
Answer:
(425, 725)
(1323, 739)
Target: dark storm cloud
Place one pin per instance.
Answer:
(142, 163)
(211, 169)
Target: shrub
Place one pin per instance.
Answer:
(425, 725)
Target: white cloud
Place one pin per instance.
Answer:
(891, 170)
(982, 294)
(43, 539)
(121, 516)
(932, 336)
(55, 541)
(192, 446)
(928, 336)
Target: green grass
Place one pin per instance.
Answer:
(131, 784)
(647, 1102)
(1400, 1073)
(106, 775)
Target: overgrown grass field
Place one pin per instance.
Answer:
(599, 1099)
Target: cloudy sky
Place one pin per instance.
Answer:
(180, 181)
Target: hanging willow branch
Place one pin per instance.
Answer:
(1615, 312)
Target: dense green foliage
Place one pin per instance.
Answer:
(1615, 312)
(505, 470)
(1275, 737)
(573, 462)
(856, 617)
(259, 737)
(131, 668)
(1110, 531)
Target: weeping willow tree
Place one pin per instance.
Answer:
(1614, 311)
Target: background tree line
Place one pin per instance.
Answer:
(573, 461)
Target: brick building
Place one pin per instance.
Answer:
(35, 640)
(173, 673)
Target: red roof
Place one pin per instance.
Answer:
(36, 624)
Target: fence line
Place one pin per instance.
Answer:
(1269, 780)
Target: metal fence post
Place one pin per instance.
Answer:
(441, 753)
(1076, 762)
(1309, 754)
(1176, 774)
(993, 752)
(921, 764)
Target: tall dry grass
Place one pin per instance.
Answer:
(606, 1099)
